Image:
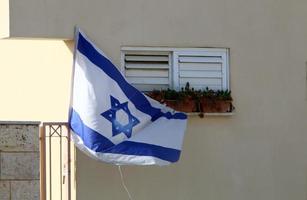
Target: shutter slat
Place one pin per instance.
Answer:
(201, 71)
(201, 87)
(142, 80)
(200, 74)
(198, 59)
(200, 66)
(147, 70)
(201, 81)
(143, 65)
(146, 73)
(150, 87)
(146, 58)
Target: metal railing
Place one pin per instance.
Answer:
(55, 161)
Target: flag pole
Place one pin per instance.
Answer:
(42, 150)
(76, 33)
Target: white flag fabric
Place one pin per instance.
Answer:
(114, 122)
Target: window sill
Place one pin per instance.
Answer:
(227, 114)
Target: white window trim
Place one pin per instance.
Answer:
(174, 53)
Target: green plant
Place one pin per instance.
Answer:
(188, 92)
(208, 93)
(224, 95)
(216, 95)
(185, 92)
(155, 94)
(170, 94)
(190, 100)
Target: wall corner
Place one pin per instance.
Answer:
(4, 19)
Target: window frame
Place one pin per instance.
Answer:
(174, 54)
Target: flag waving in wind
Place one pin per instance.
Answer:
(114, 122)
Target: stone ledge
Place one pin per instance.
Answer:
(5, 190)
(19, 137)
(24, 190)
(19, 166)
(20, 123)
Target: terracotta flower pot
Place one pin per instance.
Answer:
(215, 106)
(155, 95)
(171, 103)
(185, 105)
(224, 105)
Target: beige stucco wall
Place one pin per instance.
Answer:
(4, 18)
(34, 80)
(260, 153)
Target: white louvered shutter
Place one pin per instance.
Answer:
(147, 70)
(201, 69)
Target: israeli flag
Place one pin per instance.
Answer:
(114, 122)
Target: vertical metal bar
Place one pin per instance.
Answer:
(170, 70)
(69, 162)
(61, 164)
(50, 163)
(42, 150)
(175, 72)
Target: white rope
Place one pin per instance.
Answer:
(123, 182)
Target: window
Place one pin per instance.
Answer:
(149, 68)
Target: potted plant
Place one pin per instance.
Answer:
(187, 99)
(184, 100)
(171, 98)
(224, 100)
(216, 101)
(156, 95)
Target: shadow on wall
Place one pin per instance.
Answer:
(70, 45)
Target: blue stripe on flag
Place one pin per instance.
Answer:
(135, 96)
(98, 143)
(92, 139)
(143, 149)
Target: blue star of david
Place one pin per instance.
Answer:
(117, 127)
